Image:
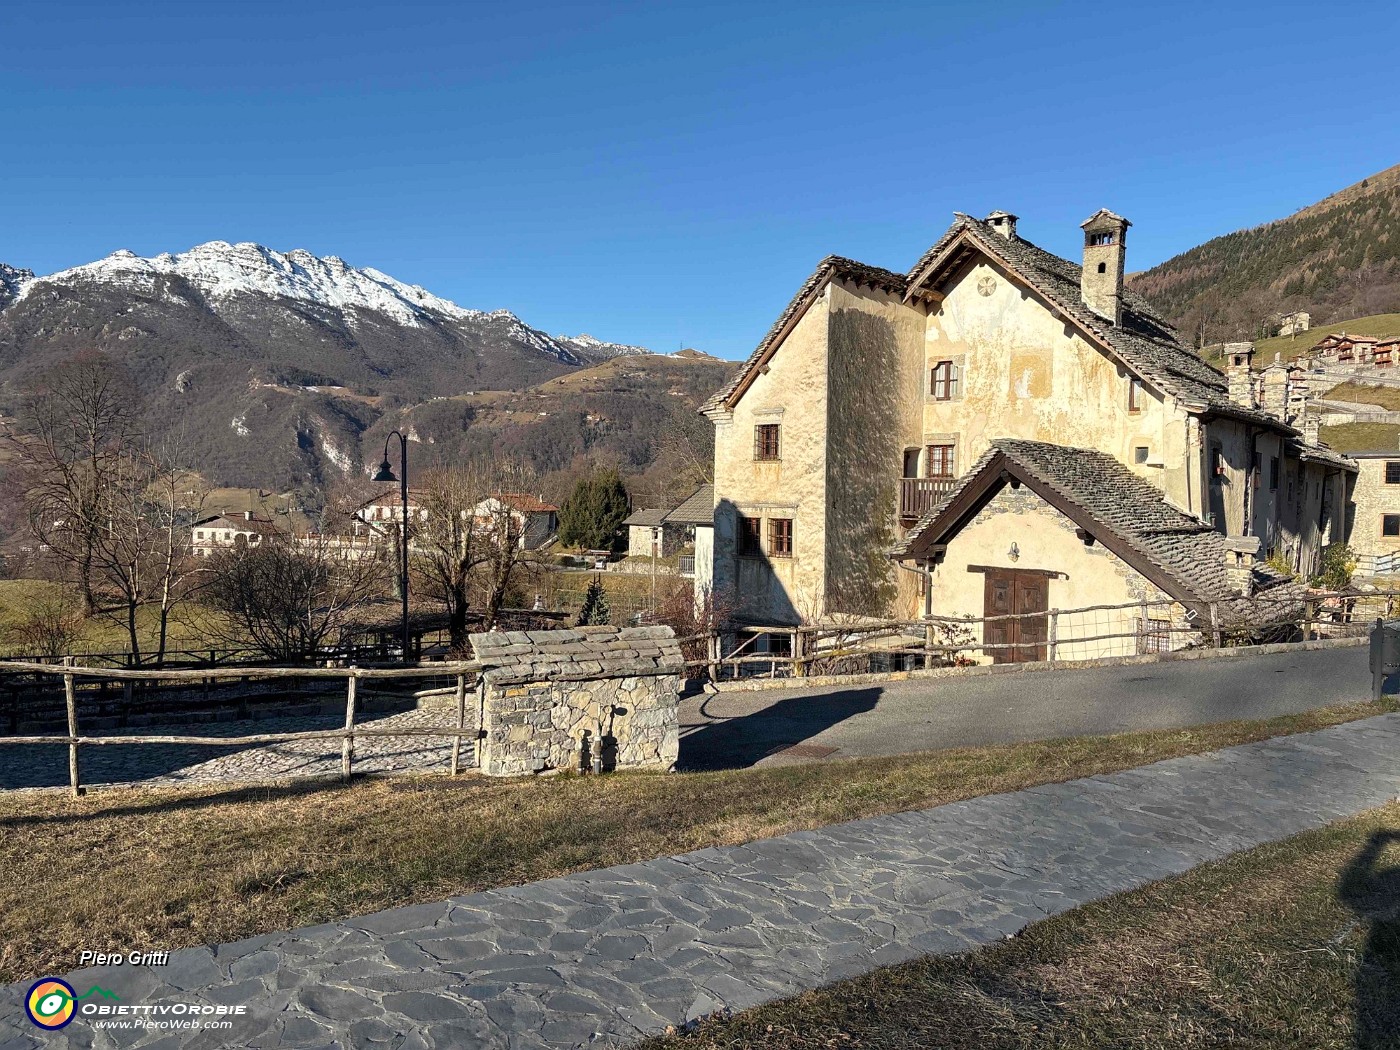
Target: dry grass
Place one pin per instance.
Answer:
(1273, 948)
(165, 869)
(1387, 397)
(1361, 437)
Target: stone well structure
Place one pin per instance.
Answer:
(558, 699)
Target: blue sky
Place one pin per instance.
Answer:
(666, 173)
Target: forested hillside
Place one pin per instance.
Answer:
(1338, 258)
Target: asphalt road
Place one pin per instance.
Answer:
(735, 729)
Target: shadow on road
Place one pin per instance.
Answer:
(735, 743)
(1372, 891)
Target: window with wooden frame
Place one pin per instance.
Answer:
(1392, 472)
(780, 537)
(1217, 465)
(939, 461)
(943, 381)
(1390, 525)
(1134, 394)
(750, 535)
(766, 441)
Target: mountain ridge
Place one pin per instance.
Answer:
(1336, 258)
(272, 366)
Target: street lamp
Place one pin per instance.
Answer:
(386, 473)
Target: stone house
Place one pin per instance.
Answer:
(646, 534)
(1375, 513)
(671, 531)
(1031, 517)
(1295, 323)
(857, 416)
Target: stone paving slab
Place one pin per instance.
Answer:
(606, 957)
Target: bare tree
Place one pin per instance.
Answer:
(49, 623)
(290, 597)
(449, 543)
(503, 525)
(74, 432)
(140, 554)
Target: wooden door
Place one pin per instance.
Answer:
(1007, 591)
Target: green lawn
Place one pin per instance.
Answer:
(171, 868)
(1292, 946)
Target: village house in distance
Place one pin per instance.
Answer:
(1001, 430)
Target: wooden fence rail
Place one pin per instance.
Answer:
(74, 739)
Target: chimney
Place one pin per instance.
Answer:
(1310, 425)
(1241, 552)
(247, 515)
(1239, 373)
(1003, 222)
(1101, 279)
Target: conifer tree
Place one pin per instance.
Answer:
(595, 611)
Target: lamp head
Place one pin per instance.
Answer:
(386, 472)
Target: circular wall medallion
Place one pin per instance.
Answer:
(986, 286)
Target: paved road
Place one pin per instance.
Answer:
(746, 728)
(606, 957)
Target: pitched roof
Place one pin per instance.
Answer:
(830, 268)
(1182, 555)
(697, 509)
(525, 502)
(1145, 341)
(654, 516)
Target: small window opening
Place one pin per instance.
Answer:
(1140, 454)
(1103, 267)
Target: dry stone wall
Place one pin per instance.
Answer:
(560, 699)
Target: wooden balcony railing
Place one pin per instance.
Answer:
(918, 496)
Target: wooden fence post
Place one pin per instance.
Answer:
(799, 651)
(1053, 636)
(461, 722)
(347, 747)
(1215, 624)
(71, 699)
(930, 640)
(714, 645)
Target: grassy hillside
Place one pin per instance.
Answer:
(1287, 346)
(1337, 258)
(1362, 437)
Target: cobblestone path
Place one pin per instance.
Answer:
(605, 957)
(166, 764)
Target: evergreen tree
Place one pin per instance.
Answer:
(593, 513)
(595, 611)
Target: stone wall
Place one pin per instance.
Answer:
(555, 699)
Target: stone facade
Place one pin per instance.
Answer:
(1373, 501)
(1084, 575)
(558, 699)
(850, 375)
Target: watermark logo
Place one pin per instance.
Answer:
(52, 1002)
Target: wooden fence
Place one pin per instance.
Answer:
(462, 670)
(1320, 613)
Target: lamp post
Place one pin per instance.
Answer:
(386, 473)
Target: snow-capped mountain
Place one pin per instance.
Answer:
(225, 273)
(275, 363)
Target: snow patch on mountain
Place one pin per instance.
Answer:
(597, 349)
(13, 282)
